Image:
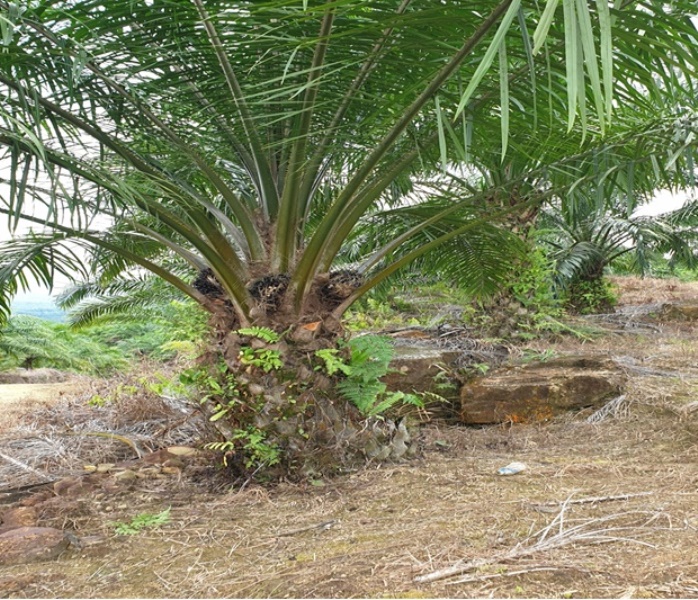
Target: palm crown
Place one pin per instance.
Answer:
(252, 139)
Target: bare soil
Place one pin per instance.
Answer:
(19, 398)
(606, 508)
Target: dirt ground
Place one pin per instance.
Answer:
(16, 396)
(605, 509)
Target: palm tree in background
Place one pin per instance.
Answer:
(252, 140)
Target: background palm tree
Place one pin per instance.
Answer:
(251, 139)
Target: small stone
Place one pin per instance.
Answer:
(66, 486)
(125, 475)
(148, 472)
(171, 470)
(255, 389)
(105, 467)
(31, 544)
(174, 462)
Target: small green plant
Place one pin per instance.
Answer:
(333, 362)
(258, 451)
(267, 359)
(263, 358)
(98, 401)
(369, 360)
(263, 333)
(530, 356)
(142, 521)
(216, 385)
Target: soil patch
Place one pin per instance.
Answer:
(20, 398)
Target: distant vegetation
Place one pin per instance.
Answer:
(161, 332)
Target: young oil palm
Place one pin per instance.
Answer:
(250, 140)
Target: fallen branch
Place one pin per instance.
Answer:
(616, 407)
(25, 467)
(545, 542)
(476, 578)
(108, 435)
(592, 499)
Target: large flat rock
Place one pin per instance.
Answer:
(417, 369)
(540, 391)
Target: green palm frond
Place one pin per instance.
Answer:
(256, 137)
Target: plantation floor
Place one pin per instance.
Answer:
(32, 392)
(604, 510)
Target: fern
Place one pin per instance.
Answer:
(263, 333)
(370, 360)
(333, 363)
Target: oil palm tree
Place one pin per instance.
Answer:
(251, 139)
(587, 240)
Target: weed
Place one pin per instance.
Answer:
(263, 333)
(530, 356)
(140, 522)
(253, 441)
(263, 358)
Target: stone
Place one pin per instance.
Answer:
(125, 475)
(23, 516)
(537, 392)
(31, 544)
(419, 369)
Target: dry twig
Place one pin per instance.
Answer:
(616, 408)
(591, 500)
(322, 526)
(545, 542)
(476, 578)
(25, 467)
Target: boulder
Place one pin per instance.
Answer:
(539, 391)
(31, 544)
(418, 369)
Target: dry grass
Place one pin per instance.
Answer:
(636, 290)
(605, 509)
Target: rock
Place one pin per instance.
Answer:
(33, 376)
(23, 516)
(31, 544)
(538, 392)
(419, 369)
(125, 475)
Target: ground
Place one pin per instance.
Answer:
(606, 507)
(16, 398)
